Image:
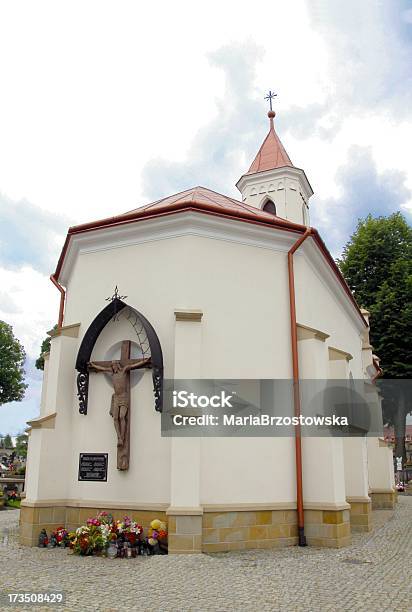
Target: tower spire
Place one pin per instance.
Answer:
(272, 153)
(272, 182)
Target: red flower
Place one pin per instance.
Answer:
(131, 537)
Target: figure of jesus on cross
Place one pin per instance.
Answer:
(119, 371)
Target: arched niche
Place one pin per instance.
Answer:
(147, 339)
(269, 207)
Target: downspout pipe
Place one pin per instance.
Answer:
(62, 300)
(296, 390)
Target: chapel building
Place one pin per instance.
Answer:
(207, 287)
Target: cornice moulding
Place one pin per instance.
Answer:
(336, 354)
(184, 314)
(71, 331)
(95, 503)
(44, 422)
(211, 227)
(306, 333)
(257, 178)
(174, 226)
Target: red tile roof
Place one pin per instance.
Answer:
(272, 153)
(201, 196)
(207, 202)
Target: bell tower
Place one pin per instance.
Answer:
(273, 184)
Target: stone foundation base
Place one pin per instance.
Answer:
(239, 530)
(35, 518)
(330, 528)
(185, 532)
(360, 515)
(383, 500)
(196, 530)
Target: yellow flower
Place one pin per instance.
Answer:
(155, 524)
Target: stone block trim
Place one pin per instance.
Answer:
(329, 528)
(383, 500)
(33, 519)
(361, 516)
(212, 531)
(240, 530)
(185, 534)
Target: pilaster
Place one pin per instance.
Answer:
(184, 513)
(381, 474)
(356, 483)
(325, 507)
(49, 439)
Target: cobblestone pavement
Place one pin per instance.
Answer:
(374, 573)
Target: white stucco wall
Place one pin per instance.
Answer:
(318, 307)
(242, 291)
(356, 467)
(380, 466)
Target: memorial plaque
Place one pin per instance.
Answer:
(93, 466)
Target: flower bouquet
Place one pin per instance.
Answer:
(94, 537)
(130, 530)
(123, 538)
(88, 540)
(61, 537)
(157, 537)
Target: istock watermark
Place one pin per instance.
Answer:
(263, 420)
(266, 407)
(183, 399)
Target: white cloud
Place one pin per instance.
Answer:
(218, 153)
(107, 105)
(94, 90)
(368, 56)
(29, 235)
(37, 302)
(29, 303)
(362, 190)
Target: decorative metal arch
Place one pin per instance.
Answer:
(89, 340)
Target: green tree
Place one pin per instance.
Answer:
(8, 442)
(392, 320)
(21, 444)
(12, 358)
(45, 348)
(371, 251)
(392, 313)
(377, 264)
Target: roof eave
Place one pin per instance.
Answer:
(146, 214)
(274, 222)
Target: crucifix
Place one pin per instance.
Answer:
(270, 96)
(119, 371)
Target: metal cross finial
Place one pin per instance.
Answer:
(270, 96)
(116, 295)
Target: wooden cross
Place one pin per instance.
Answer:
(119, 370)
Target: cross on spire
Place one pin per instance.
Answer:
(270, 96)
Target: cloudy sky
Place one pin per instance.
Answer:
(105, 106)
